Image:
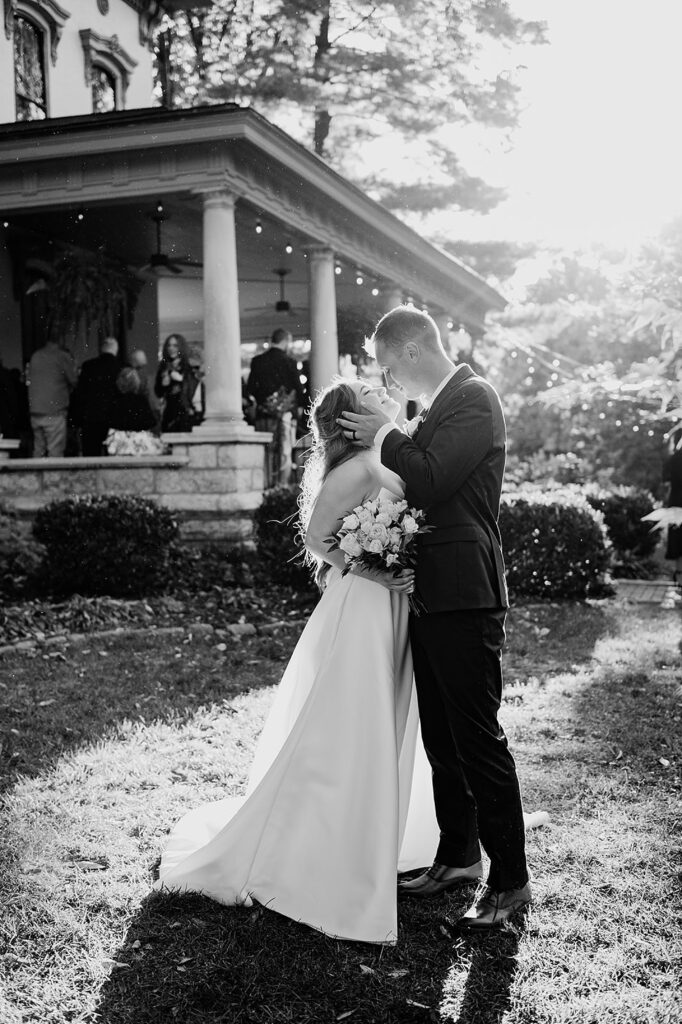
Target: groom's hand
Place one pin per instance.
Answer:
(361, 428)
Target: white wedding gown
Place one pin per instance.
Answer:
(339, 797)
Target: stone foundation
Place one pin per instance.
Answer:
(214, 487)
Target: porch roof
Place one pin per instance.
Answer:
(130, 154)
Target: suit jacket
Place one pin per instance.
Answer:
(453, 469)
(96, 390)
(270, 371)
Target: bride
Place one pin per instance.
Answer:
(339, 795)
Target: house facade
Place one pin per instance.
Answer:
(228, 227)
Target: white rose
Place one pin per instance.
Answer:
(395, 537)
(375, 546)
(410, 525)
(390, 559)
(383, 517)
(351, 522)
(378, 532)
(350, 545)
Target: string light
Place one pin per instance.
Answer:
(80, 216)
(288, 248)
(450, 324)
(5, 223)
(359, 279)
(259, 227)
(337, 268)
(375, 291)
(159, 206)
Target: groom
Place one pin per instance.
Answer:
(452, 467)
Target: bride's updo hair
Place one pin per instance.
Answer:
(330, 449)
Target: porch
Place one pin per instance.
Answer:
(230, 229)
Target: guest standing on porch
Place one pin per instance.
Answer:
(94, 397)
(276, 387)
(51, 379)
(175, 385)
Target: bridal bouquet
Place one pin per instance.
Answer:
(380, 534)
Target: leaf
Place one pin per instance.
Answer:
(367, 970)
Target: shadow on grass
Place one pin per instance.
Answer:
(189, 959)
(633, 702)
(52, 703)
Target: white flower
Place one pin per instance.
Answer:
(375, 546)
(410, 427)
(395, 537)
(391, 558)
(378, 532)
(351, 522)
(410, 525)
(383, 517)
(350, 545)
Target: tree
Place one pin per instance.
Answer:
(597, 376)
(341, 75)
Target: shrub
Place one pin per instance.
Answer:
(105, 544)
(279, 546)
(623, 508)
(555, 545)
(20, 555)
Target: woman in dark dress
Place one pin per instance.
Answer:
(130, 408)
(175, 385)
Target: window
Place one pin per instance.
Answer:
(103, 86)
(107, 69)
(29, 71)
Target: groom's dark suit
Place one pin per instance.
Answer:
(453, 468)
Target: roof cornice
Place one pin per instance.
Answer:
(221, 128)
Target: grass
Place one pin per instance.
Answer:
(115, 740)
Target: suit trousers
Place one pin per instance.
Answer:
(476, 791)
(49, 436)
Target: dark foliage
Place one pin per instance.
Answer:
(20, 556)
(105, 544)
(623, 509)
(555, 545)
(279, 545)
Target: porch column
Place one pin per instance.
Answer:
(390, 297)
(222, 340)
(324, 346)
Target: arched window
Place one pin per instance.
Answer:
(107, 69)
(29, 70)
(104, 90)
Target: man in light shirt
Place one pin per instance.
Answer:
(51, 379)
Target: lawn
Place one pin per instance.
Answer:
(107, 741)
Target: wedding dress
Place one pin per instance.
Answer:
(339, 797)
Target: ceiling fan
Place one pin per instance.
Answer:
(282, 305)
(159, 260)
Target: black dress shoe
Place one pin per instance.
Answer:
(491, 909)
(439, 878)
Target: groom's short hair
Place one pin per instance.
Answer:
(403, 324)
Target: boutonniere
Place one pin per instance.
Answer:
(412, 426)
